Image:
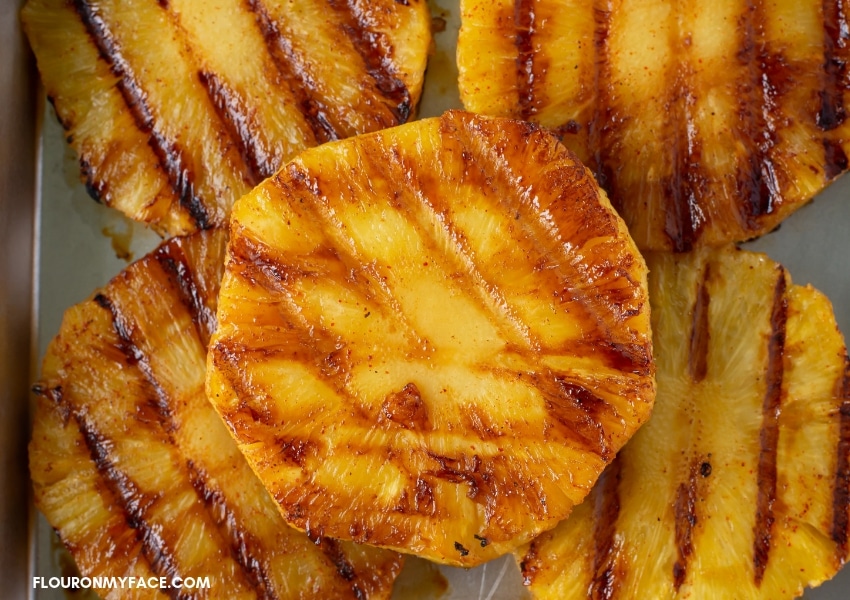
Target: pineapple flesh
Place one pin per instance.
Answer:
(432, 338)
(137, 473)
(738, 486)
(177, 108)
(706, 122)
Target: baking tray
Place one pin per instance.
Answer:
(18, 114)
(78, 245)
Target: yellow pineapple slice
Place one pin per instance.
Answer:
(738, 486)
(137, 473)
(706, 122)
(432, 338)
(178, 108)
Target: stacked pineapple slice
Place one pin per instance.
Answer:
(178, 108)
(137, 473)
(432, 338)
(738, 485)
(706, 122)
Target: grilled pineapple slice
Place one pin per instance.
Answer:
(432, 338)
(738, 486)
(135, 470)
(178, 108)
(706, 122)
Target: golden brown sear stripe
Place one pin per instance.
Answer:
(170, 156)
(173, 261)
(235, 115)
(376, 51)
(757, 187)
(700, 335)
(769, 434)
(295, 73)
(132, 502)
(685, 510)
(606, 567)
(836, 27)
(243, 545)
(524, 17)
(332, 550)
(578, 410)
(123, 325)
(602, 126)
(841, 492)
(687, 182)
(831, 112)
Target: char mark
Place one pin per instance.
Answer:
(578, 410)
(603, 124)
(685, 520)
(335, 554)
(125, 328)
(531, 563)
(243, 545)
(133, 503)
(757, 184)
(236, 116)
(686, 187)
(769, 434)
(293, 70)
(700, 337)
(170, 156)
(524, 23)
(831, 113)
(607, 572)
(835, 159)
(174, 262)
(377, 53)
(841, 490)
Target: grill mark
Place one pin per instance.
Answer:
(628, 357)
(214, 501)
(124, 328)
(173, 261)
(687, 185)
(769, 434)
(700, 335)
(294, 71)
(242, 544)
(578, 410)
(344, 569)
(488, 296)
(347, 251)
(170, 156)
(602, 122)
(831, 113)
(685, 520)
(524, 22)
(835, 159)
(607, 571)
(329, 350)
(133, 503)
(756, 180)
(841, 489)
(531, 563)
(376, 51)
(236, 115)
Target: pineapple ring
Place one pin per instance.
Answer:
(706, 122)
(432, 338)
(177, 108)
(136, 472)
(739, 484)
